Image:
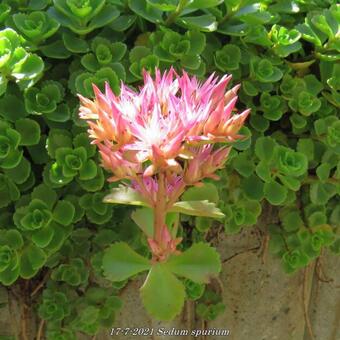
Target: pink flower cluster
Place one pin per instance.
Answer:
(163, 137)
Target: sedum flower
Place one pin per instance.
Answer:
(164, 137)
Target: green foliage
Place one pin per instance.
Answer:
(54, 216)
(162, 293)
(120, 262)
(193, 289)
(36, 26)
(74, 273)
(83, 16)
(210, 306)
(199, 263)
(16, 63)
(54, 306)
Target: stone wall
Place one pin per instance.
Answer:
(262, 302)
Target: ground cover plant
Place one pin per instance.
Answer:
(61, 240)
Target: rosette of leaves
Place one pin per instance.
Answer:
(273, 106)
(285, 41)
(333, 136)
(280, 168)
(9, 265)
(70, 163)
(11, 243)
(194, 290)
(96, 211)
(104, 53)
(327, 130)
(82, 81)
(321, 28)
(257, 35)
(141, 57)
(83, 16)
(95, 310)
(35, 26)
(210, 306)
(294, 259)
(16, 63)
(228, 58)
(45, 220)
(10, 154)
(264, 71)
(72, 160)
(55, 306)
(305, 102)
(74, 273)
(55, 331)
(33, 5)
(179, 50)
(48, 100)
(295, 244)
(240, 214)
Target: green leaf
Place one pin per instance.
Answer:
(199, 263)
(75, 44)
(14, 239)
(21, 172)
(26, 268)
(29, 69)
(200, 4)
(169, 5)
(275, 193)
(146, 11)
(12, 107)
(64, 212)
(108, 14)
(264, 148)
(125, 195)
(243, 165)
(46, 194)
(197, 42)
(143, 217)
(320, 193)
(120, 262)
(197, 208)
(123, 22)
(43, 236)
(253, 187)
(162, 293)
(292, 221)
(29, 130)
(56, 50)
(323, 171)
(88, 171)
(205, 23)
(207, 191)
(290, 182)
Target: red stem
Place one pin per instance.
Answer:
(160, 209)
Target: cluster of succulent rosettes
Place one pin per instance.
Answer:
(16, 63)
(164, 137)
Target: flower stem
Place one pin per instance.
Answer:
(160, 209)
(172, 17)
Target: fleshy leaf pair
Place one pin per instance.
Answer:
(162, 293)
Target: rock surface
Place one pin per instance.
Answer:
(262, 302)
